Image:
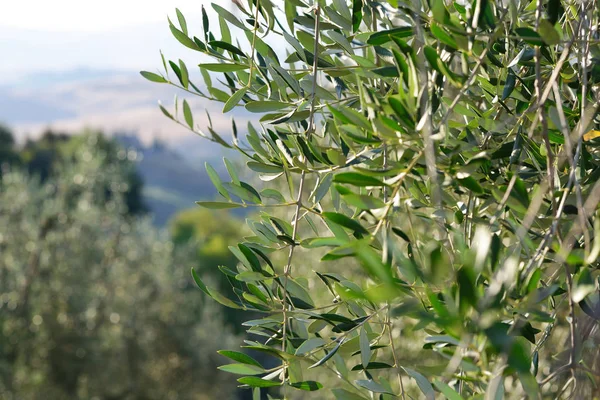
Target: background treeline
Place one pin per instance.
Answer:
(95, 302)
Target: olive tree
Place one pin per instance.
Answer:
(95, 303)
(441, 158)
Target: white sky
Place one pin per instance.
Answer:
(60, 35)
(91, 15)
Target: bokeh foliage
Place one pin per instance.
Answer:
(444, 154)
(95, 303)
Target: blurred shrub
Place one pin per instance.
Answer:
(94, 304)
(50, 153)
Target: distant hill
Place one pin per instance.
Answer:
(43, 79)
(172, 182)
(25, 109)
(108, 100)
(122, 101)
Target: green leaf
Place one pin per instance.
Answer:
(215, 205)
(438, 9)
(265, 106)
(309, 345)
(530, 36)
(342, 41)
(371, 262)
(509, 86)
(365, 348)
(234, 100)
(273, 194)
(228, 16)
(185, 76)
(265, 168)
(177, 71)
(342, 394)
(226, 46)
(290, 14)
(312, 243)
(164, 111)
(183, 38)
(187, 114)
(383, 37)
(246, 256)
(436, 63)
(323, 188)
(529, 383)
(549, 35)
(401, 111)
(471, 184)
(225, 31)
(307, 385)
(243, 191)
(447, 390)
(205, 22)
(232, 171)
(422, 382)
(442, 35)
(270, 351)
(467, 287)
(357, 179)
(214, 177)
(363, 201)
(223, 67)
(357, 14)
(485, 16)
(327, 356)
(152, 77)
(336, 157)
(388, 72)
(240, 357)
(372, 365)
(250, 276)
(585, 285)
(242, 369)
(219, 298)
(199, 282)
(495, 389)
(253, 381)
(182, 22)
(373, 386)
(346, 222)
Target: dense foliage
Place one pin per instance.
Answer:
(50, 153)
(441, 157)
(94, 302)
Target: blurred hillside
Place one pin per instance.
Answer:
(106, 100)
(171, 182)
(171, 158)
(95, 302)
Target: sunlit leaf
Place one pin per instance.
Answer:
(242, 369)
(218, 205)
(223, 67)
(253, 381)
(152, 77)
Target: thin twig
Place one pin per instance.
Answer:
(398, 183)
(311, 130)
(253, 51)
(542, 109)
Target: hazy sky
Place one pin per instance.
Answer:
(90, 16)
(58, 35)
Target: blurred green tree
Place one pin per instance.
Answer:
(93, 304)
(212, 233)
(48, 154)
(8, 153)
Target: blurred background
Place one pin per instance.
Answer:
(98, 229)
